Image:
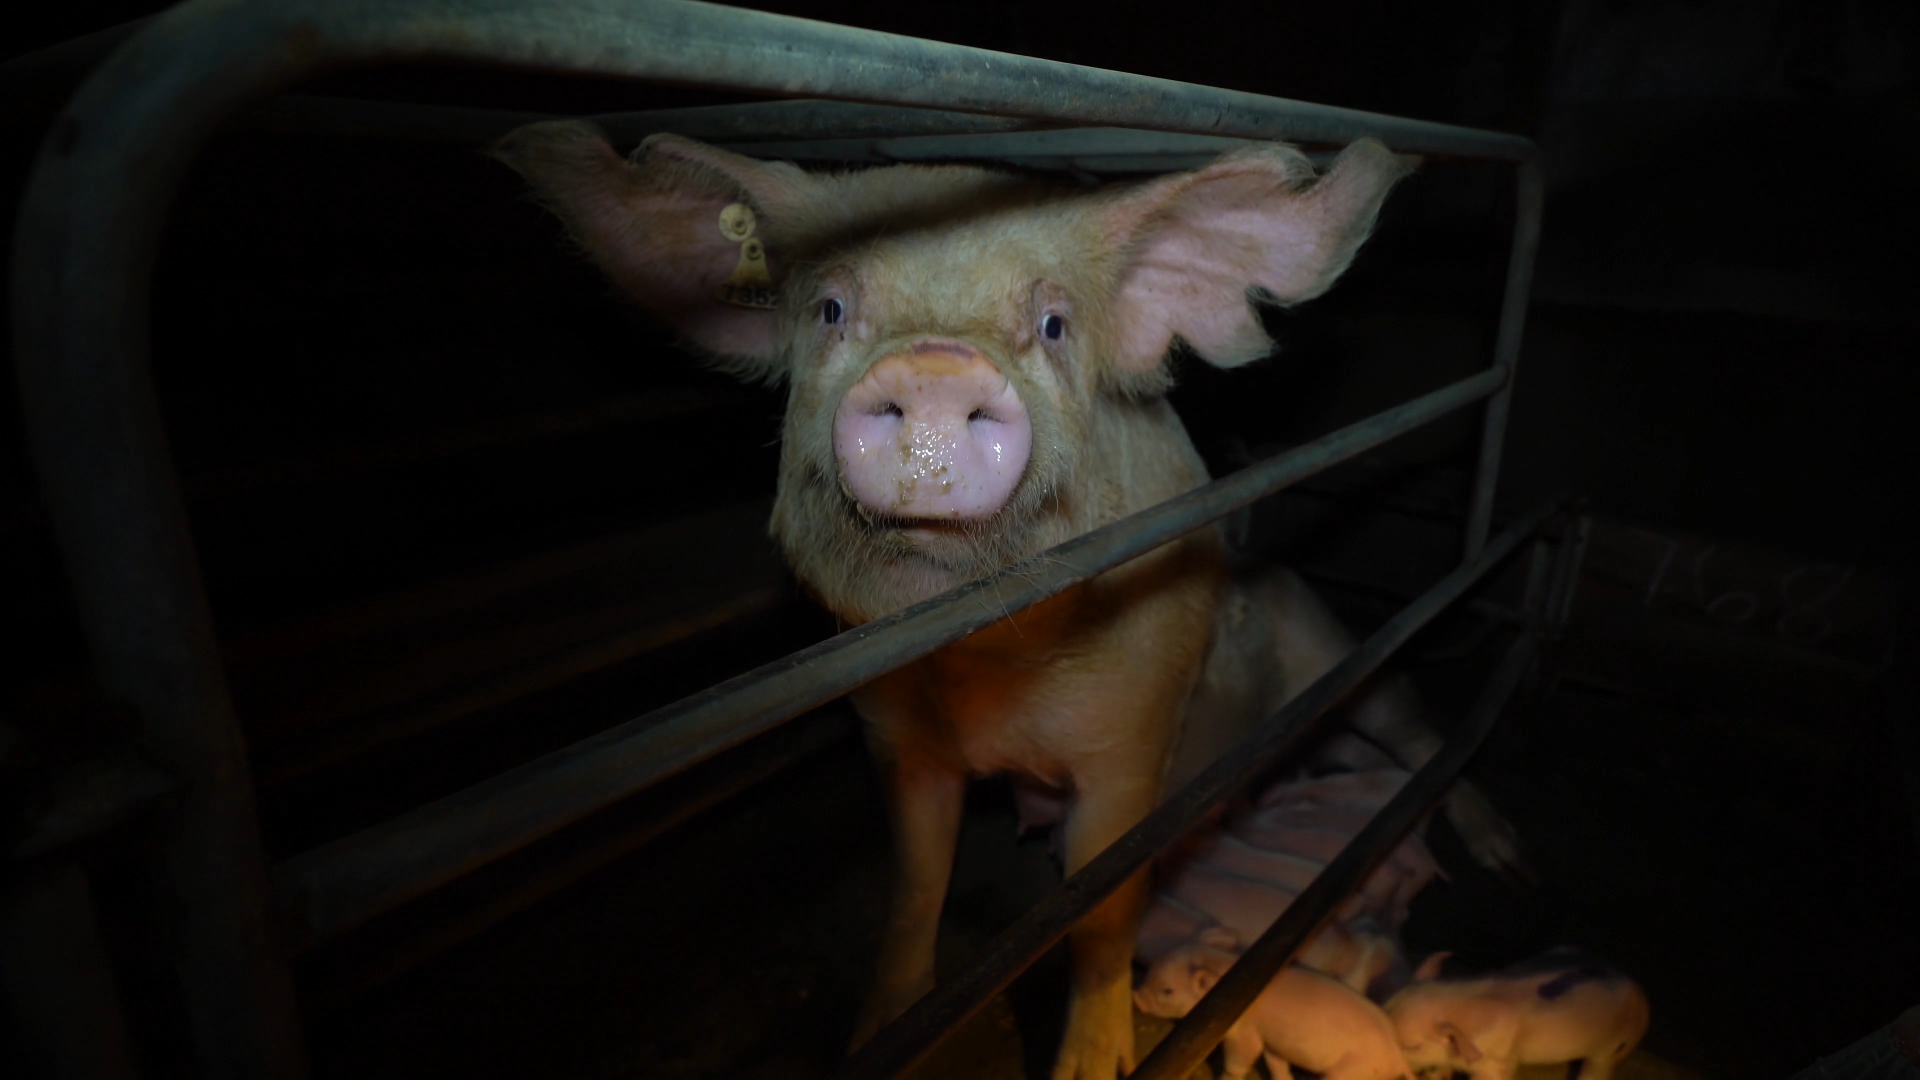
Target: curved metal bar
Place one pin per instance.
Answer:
(905, 1042)
(1202, 1029)
(1529, 195)
(338, 886)
(88, 230)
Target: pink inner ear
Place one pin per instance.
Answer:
(1208, 237)
(653, 227)
(669, 252)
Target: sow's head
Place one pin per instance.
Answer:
(957, 341)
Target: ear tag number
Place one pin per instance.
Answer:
(750, 286)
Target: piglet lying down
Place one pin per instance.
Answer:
(1564, 1006)
(976, 363)
(1241, 876)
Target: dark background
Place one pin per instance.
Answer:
(423, 446)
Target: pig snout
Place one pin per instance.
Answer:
(933, 431)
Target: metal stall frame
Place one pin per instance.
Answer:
(89, 226)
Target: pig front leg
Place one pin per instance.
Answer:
(1240, 1049)
(1098, 1043)
(1597, 1067)
(1489, 836)
(925, 798)
(1493, 1068)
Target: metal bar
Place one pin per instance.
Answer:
(1194, 1037)
(88, 230)
(90, 799)
(1529, 195)
(1568, 582)
(799, 130)
(804, 118)
(1487, 610)
(57, 981)
(1054, 145)
(748, 123)
(784, 130)
(715, 783)
(335, 887)
(33, 85)
(908, 1040)
(342, 740)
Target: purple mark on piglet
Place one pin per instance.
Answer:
(1567, 980)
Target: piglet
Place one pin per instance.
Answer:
(1302, 1018)
(1560, 1007)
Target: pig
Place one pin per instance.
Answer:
(1247, 888)
(1393, 884)
(1302, 1017)
(1367, 790)
(1289, 835)
(1564, 1006)
(1357, 952)
(975, 363)
(1385, 890)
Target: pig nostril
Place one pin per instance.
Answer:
(977, 414)
(891, 409)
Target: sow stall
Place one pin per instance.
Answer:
(89, 227)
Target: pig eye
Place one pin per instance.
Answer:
(1053, 327)
(832, 311)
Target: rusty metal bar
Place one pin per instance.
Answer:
(908, 1040)
(1528, 199)
(1194, 1037)
(335, 887)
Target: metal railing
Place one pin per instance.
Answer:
(89, 227)
(904, 1043)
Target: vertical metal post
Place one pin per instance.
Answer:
(123, 531)
(80, 345)
(1506, 350)
(56, 981)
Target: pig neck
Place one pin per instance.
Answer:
(1040, 693)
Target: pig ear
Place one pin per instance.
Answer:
(1429, 968)
(1196, 245)
(1459, 1043)
(654, 225)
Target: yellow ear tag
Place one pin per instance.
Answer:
(751, 286)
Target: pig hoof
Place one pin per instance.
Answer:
(1490, 838)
